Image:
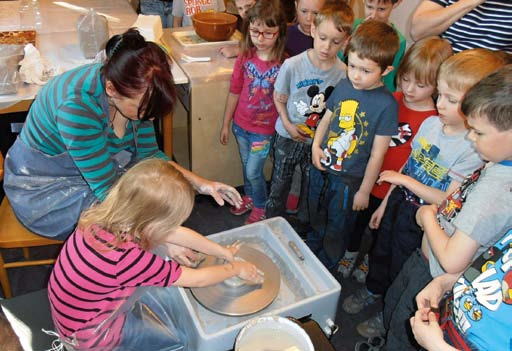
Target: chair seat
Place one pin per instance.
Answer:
(14, 235)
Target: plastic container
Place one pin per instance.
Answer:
(30, 15)
(273, 333)
(92, 31)
(307, 288)
(10, 56)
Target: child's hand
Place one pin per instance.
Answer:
(391, 177)
(230, 251)
(249, 272)
(229, 51)
(317, 155)
(182, 255)
(377, 217)
(296, 133)
(361, 200)
(430, 295)
(224, 135)
(427, 332)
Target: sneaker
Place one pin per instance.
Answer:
(372, 327)
(257, 214)
(361, 271)
(292, 204)
(346, 264)
(359, 300)
(245, 207)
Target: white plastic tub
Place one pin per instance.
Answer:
(307, 288)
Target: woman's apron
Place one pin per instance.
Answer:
(48, 193)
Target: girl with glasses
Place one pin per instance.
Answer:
(250, 101)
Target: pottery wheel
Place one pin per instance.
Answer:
(241, 299)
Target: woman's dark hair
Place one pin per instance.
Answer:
(135, 65)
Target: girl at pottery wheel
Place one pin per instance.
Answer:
(99, 287)
(87, 127)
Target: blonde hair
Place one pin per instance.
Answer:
(376, 41)
(466, 68)
(339, 13)
(423, 58)
(148, 202)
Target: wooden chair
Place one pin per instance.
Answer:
(13, 235)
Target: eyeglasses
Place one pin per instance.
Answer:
(266, 35)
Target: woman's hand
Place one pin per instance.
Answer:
(182, 255)
(220, 192)
(250, 272)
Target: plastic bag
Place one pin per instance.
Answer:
(148, 324)
(92, 33)
(10, 56)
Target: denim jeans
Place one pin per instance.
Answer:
(158, 8)
(254, 149)
(331, 215)
(288, 154)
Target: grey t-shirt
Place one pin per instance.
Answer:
(302, 81)
(480, 208)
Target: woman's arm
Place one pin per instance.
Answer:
(219, 191)
(433, 19)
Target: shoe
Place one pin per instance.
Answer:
(292, 204)
(346, 264)
(361, 270)
(375, 343)
(373, 327)
(359, 300)
(257, 214)
(245, 207)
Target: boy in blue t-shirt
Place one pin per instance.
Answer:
(351, 140)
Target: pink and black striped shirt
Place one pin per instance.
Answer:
(91, 280)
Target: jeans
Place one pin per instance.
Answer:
(288, 154)
(331, 214)
(254, 149)
(397, 237)
(399, 303)
(158, 8)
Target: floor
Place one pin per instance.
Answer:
(208, 218)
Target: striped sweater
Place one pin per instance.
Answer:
(91, 280)
(489, 26)
(71, 115)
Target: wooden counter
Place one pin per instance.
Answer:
(196, 132)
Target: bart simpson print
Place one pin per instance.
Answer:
(343, 144)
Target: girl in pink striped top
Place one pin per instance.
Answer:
(109, 255)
